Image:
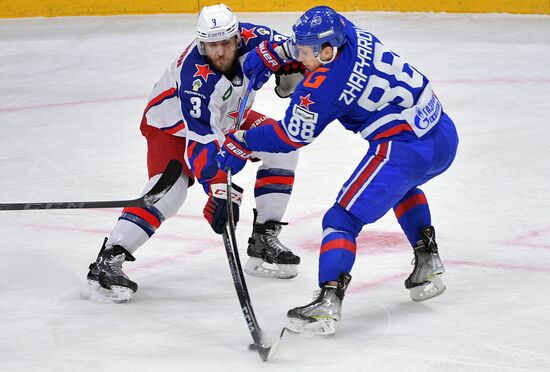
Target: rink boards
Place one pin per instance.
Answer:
(53, 8)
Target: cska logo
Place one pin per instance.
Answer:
(247, 34)
(203, 71)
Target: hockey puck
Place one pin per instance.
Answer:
(252, 347)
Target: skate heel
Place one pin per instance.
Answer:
(433, 288)
(257, 267)
(321, 327)
(121, 294)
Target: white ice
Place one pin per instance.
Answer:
(72, 91)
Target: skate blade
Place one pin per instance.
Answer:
(95, 293)
(315, 326)
(258, 267)
(434, 288)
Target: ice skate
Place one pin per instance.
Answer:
(106, 280)
(268, 257)
(320, 316)
(426, 281)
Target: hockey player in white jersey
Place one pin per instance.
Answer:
(191, 109)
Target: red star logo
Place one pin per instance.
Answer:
(235, 114)
(248, 34)
(203, 71)
(305, 101)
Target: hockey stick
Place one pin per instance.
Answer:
(165, 183)
(243, 104)
(230, 243)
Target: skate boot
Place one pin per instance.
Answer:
(268, 257)
(426, 280)
(106, 280)
(320, 316)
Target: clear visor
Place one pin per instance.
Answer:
(294, 50)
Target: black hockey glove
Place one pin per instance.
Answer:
(291, 67)
(215, 210)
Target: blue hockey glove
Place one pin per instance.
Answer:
(261, 63)
(233, 153)
(215, 210)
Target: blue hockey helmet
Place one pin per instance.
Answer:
(318, 26)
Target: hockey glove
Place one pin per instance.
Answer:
(288, 77)
(261, 63)
(234, 152)
(215, 210)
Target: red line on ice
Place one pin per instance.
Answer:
(522, 240)
(73, 103)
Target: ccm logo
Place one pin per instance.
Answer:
(237, 151)
(222, 194)
(267, 56)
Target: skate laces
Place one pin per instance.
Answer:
(273, 241)
(115, 263)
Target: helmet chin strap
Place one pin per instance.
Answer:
(334, 53)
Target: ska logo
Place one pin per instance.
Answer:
(316, 21)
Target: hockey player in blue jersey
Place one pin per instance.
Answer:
(370, 90)
(191, 109)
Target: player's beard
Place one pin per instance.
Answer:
(224, 64)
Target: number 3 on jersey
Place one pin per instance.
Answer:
(196, 109)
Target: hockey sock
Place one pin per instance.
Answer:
(272, 192)
(136, 225)
(337, 254)
(413, 213)
(340, 228)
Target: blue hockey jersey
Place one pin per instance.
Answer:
(368, 88)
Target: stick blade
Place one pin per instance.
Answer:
(168, 178)
(267, 352)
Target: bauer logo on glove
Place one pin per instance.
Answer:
(269, 59)
(236, 151)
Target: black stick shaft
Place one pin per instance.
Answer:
(165, 182)
(230, 243)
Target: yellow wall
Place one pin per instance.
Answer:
(460, 6)
(49, 8)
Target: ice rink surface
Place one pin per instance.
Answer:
(72, 91)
